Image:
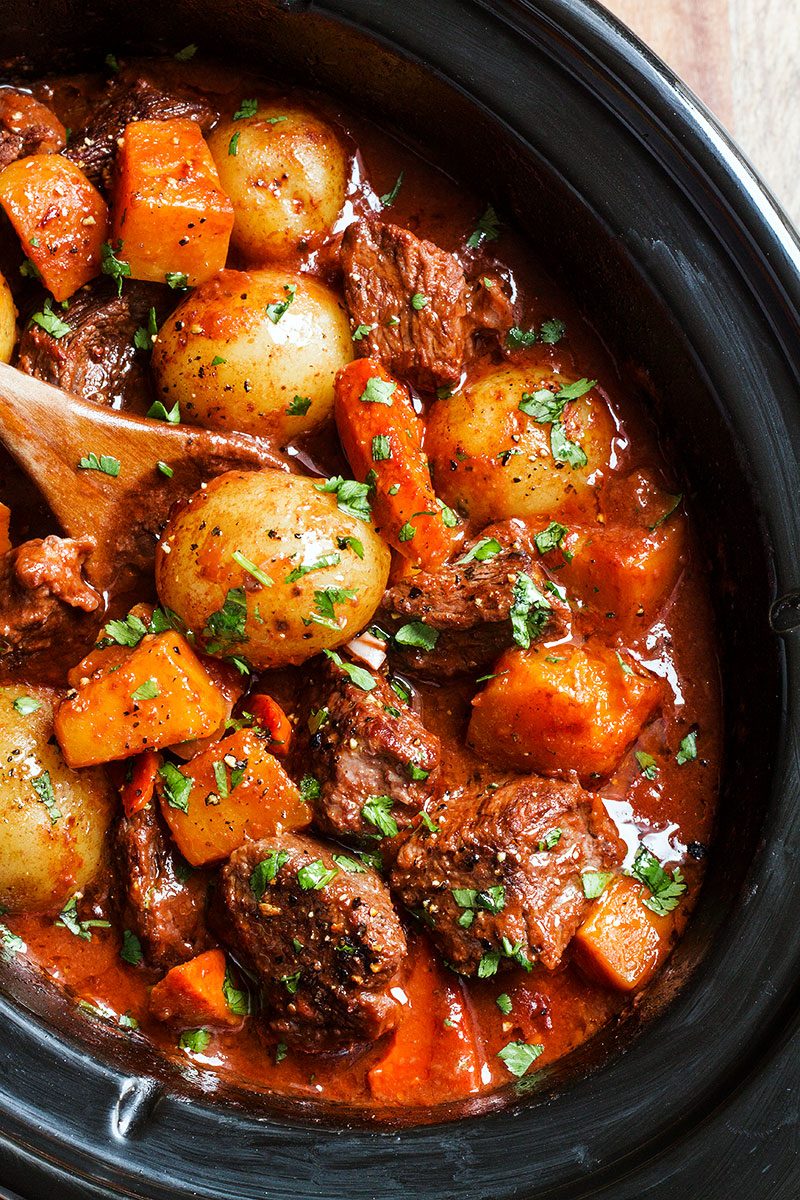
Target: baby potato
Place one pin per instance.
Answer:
(53, 820)
(492, 460)
(285, 171)
(266, 567)
(8, 322)
(254, 351)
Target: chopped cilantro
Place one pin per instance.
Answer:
(194, 1040)
(25, 705)
(177, 280)
(327, 560)
(310, 788)
(687, 751)
(159, 412)
(227, 625)
(503, 1002)
(357, 675)
(551, 537)
(250, 567)
(50, 322)
(314, 876)
(186, 53)
(298, 407)
(362, 331)
(237, 1000)
(43, 787)
(247, 108)
(550, 840)
(378, 391)
(378, 811)
(105, 464)
(352, 866)
(552, 331)
(276, 310)
(68, 918)
(417, 634)
(388, 198)
(148, 690)
(351, 497)
(647, 764)
(143, 338)
(131, 949)
(266, 871)
(529, 611)
(519, 1056)
(176, 786)
(418, 774)
(291, 982)
(563, 449)
(113, 266)
(666, 890)
(486, 548)
(381, 450)
(487, 229)
(418, 301)
(594, 883)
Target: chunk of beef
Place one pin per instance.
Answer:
(385, 268)
(97, 360)
(366, 744)
(94, 146)
(43, 594)
(164, 910)
(502, 876)
(27, 127)
(469, 601)
(324, 942)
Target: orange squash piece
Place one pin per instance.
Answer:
(192, 993)
(60, 218)
(170, 214)
(5, 526)
(561, 709)
(157, 695)
(622, 942)
(271, 717)
(237, 790)
(622, 573)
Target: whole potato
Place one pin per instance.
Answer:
(254, 351)
(53, 820)
(285, 171)
(325, 570)
(8, 322)
(491, 460)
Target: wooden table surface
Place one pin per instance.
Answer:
(742, 58)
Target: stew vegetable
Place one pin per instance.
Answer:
(389, 778)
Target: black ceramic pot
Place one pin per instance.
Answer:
(632, 193)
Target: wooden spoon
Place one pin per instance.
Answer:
(51, 433)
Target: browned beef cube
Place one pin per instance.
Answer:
(323, 940)
(501, 880)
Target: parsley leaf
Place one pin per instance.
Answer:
(159, 412)
(357, 675)
(516, 337)
(247, 108)
(519, 1056)
(68, 917)
(177, 787)
(131, 949)
(353, 544)
(105, 464)
(388, 198)
(378, 811)
(186, 53)
(327, 560)
(177, 280)
(666, 891)
(552, 331)
(687, 751)
(594, 883)
(237, 1000)
(25, 705)
(148, 690)
(43, 787)
(50, 322)
(351, 497)
(487, 229)
(248, 565)
(563, 449)
(275, 311)
(417, 634)
(503, 1002)
(10, 944)
(310, 788)
(352, 866)
(298, 407)
(381, 449)
(486, 548)
(314, 876)
(530, 611)
(266, 871)
(418, 301)
(647, 764)
(128, 632)
(378, 391)
(550, 840)
(551, 537)
(143, 338)
(194, 1040)
(113, 266)
(226, 626)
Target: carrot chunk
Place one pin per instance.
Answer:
(622, 942)
(382, 439)
(570, 708)
(270, 716)
(157, 695)
(170, 215)
(193, 993)
(434, 1050)
(234, 790)
(60, 218)
(5, 525)
(137, 792)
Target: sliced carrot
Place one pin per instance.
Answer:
(157, 695)
(434, 1050)
(170, 215)
(193, 993)
(137, 792)
(232, 791)
(60, 218)
(622, 942)
(382, 438)
(270, 716)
